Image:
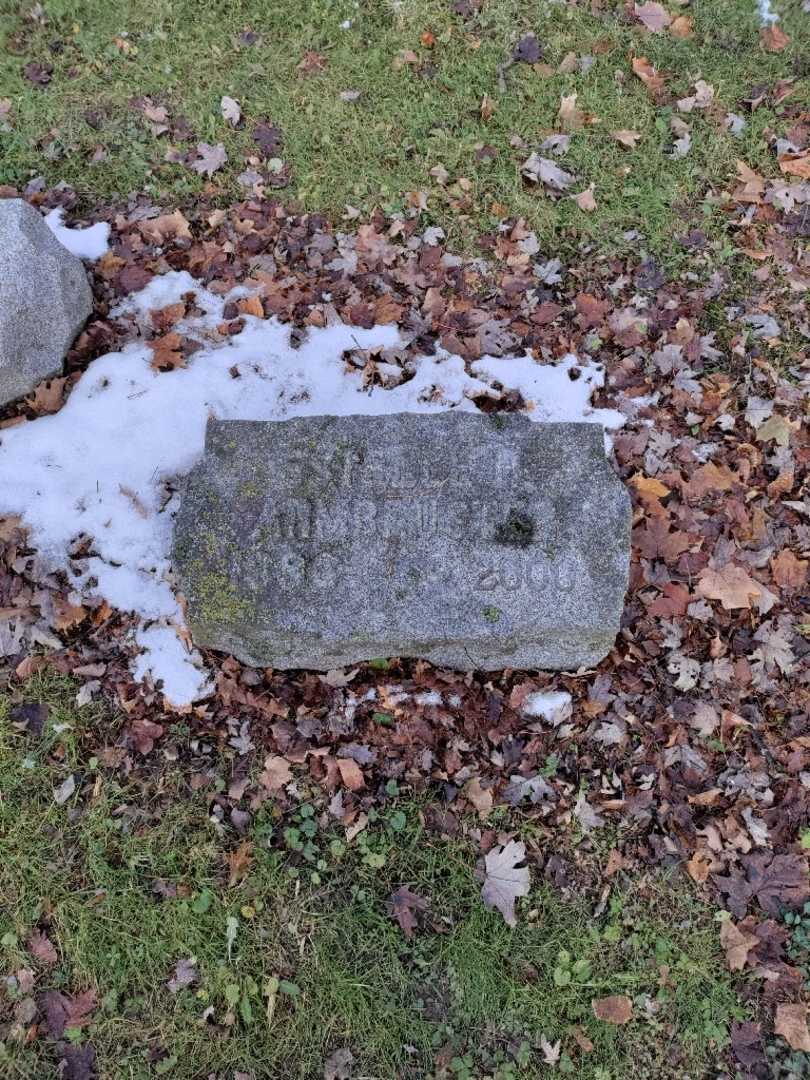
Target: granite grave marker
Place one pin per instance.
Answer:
(474, 541)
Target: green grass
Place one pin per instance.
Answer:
(315, 962)
(372, 152)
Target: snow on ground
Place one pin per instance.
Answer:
(99, 466)
(767, 16)
(552, 706)
(90, 243)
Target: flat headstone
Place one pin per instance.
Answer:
(476, 542)
(44, 300)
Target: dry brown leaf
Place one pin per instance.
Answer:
(615, 1009)
(276, 773)
(166, 354)
(167, 317)
(251, 305)
(651, 78)
(351, 774)
(682, 27)
(67, 615)
(698, 867)
(732, 586)
(791, 1023)
(626, 138)
(796, 164)
(480, 798)
(773, 39)
(585, 200)
(239, 862)
(571, 118)
(736, 944)
(165, 227)
(789, 572)
(48, 397)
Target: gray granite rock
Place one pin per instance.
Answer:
(44, 300)
(476, 542)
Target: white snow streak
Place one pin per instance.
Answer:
(90, 243)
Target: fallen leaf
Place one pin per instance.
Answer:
(504, 879)
(652, 79)
(40, 946)
(791, 1023)
(571, 118)
(210, 158)
(185, 974)
(731, 585)
(65, 790)
(585, 200)
(481, 798)
(276, 773)
(544, 170)
(527, 50)
(166, 354)
(654, 16)
(239, 862)
(48, 397)
(773, 39)
(626, 138)
(796, 164)
(351, 774)
(682, 26)
(62, 1012)
(736, 944)
(230, 110)
(404, 904)
(789, 572)
(615, 1009)
(251, 305)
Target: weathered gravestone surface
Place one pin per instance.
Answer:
(44, 300)
(476, 542)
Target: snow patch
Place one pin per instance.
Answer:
(767, 16)
(106, 466)
(90, 243)
(551, 706)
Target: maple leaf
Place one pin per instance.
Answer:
(795, 164)
(210, 158)
(230, 109)
(654, 16)
(791, 1023)
(731, 585)
(615, 1009)
(404, 905)
(504, 879)
(62, 1011)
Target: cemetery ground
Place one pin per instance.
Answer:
(396, 870)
